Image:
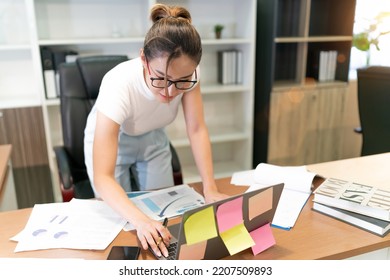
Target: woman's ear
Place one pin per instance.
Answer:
(143, 57)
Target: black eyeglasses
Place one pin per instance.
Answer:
(180, 84)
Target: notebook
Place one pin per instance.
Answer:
(221, 228)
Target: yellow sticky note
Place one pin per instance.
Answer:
(200, 226)
(237, 239)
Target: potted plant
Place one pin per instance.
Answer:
(370, 36)
(218, 30)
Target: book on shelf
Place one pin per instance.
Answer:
(370, 224)
(230, 67)
(347, 195)
(323, 65)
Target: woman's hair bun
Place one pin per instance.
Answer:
(160, 11)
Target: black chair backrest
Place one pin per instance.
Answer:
(79, 87)
(374, 108)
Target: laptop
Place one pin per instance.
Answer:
(200, 233)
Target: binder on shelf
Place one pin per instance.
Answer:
(48, 73)
(332, 63)
(322, 65)
(230, 67)
(47, 58)
(224, 67)
(62, 56)
(239, 74)
(50, 84)
(50, 63)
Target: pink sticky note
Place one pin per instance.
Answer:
(263, 238)
(229, 214)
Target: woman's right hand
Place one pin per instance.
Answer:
(153, 234)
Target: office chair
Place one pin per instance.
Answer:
(374, 109)
(79, 88)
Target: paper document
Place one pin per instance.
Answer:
(243, 178)
(168, 202)
(297, 188)
(78, 224)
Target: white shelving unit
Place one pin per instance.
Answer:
(18, 87)
(118, 27)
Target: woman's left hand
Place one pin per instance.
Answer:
(214, 195)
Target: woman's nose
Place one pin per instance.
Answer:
(172, 90)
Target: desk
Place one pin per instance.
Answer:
(7, 185)
(315, 236)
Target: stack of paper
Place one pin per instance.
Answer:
(78, 224)
(167, 203)
(297, 188)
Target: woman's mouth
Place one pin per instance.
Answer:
(165, 97)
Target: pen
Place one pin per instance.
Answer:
(165, 223)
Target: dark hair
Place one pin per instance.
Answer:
(172, 34)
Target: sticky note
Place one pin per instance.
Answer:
(229, 214)
(260, 203)
(237, 239)
(200, 226)
(193, 252)
(263, 238)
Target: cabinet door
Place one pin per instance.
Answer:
(331, 107)
(292, 134)
(306, 126)
(24, 129)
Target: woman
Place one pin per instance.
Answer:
(137, 99)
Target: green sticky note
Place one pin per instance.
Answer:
(200, 226)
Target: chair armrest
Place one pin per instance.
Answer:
(64, 171)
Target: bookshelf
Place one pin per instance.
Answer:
(290, 36)
(118, 27)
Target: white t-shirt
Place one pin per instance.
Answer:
(125, 98)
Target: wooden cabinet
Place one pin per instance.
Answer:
(8, 200)
(118, 27)
(291, 34)
(24, 129)
(306, 125)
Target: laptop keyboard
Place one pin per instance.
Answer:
(172, 248)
